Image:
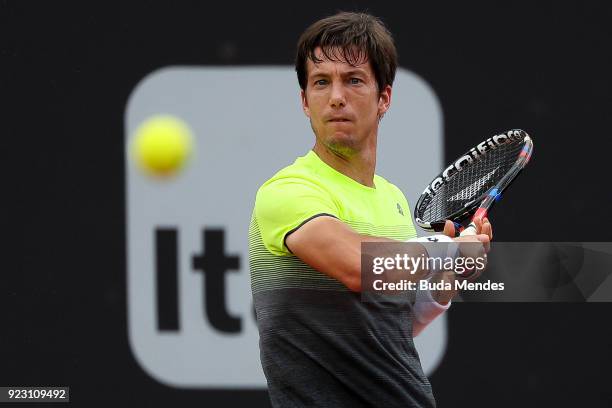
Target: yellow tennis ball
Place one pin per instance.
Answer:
(162, 144)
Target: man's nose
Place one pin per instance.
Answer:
(337, 98)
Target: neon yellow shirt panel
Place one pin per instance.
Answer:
(309, 188)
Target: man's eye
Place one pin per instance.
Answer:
(355, 81)
(321, 82)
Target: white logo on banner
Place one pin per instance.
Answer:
(190, 313)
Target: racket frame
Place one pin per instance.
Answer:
(480, 206)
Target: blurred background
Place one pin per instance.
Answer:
(67, 71)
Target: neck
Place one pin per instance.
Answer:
(358, 165)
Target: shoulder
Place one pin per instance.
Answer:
(296, 189)
(288, 199)
(296, 180)
(290, 181)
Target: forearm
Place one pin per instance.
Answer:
(333, 248)
(427, 307)
(442, 281)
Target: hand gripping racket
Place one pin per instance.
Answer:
(474, 182)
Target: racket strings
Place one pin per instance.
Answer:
(469, 184)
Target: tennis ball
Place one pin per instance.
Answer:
(162, 144)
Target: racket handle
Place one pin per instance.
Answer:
(480, 214)
(469, 230)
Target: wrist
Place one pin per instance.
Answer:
(438, 247)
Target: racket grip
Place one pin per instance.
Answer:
(480, 214)
(469, 230)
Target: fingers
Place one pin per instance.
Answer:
(482, 226)
(478, 223)
(485, 240)
(449, 229)
(487, 228)
(482, 238)
(484, 235)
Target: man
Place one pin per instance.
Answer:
(321, 346)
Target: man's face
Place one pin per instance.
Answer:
(344, 104)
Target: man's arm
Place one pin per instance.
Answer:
(431, 304)
(426, 309)
(332, 247)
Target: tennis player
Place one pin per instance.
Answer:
(321, 346)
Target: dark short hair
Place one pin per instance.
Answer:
(353, 38)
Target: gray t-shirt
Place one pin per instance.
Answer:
(320, 344)
(326, 348)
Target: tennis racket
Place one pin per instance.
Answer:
(474, 182)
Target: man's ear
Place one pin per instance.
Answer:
(384, 101)
(305, 107)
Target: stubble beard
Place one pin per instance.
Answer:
(340, 146)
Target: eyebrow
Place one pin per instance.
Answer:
(353, 71)
(356, 71)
